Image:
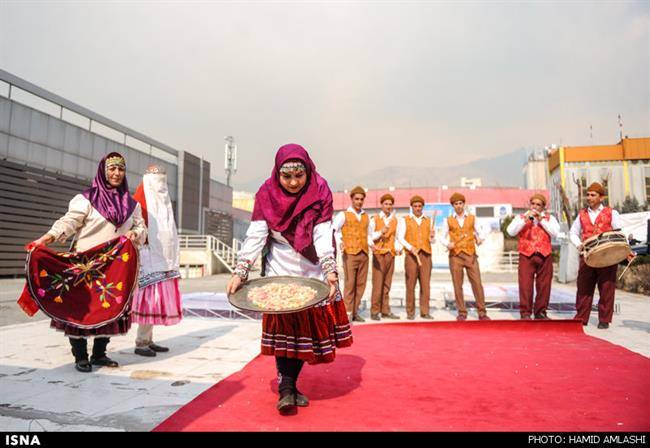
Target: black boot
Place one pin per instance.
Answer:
(80, 353)
(301, 399)
(287, 383)
(287, 395)
(99, 357)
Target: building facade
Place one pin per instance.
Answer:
(623, 169)
(536, 170)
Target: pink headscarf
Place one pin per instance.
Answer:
(295, 215)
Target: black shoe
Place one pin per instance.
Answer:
(375, 317)
(410, 317)
(426, 316)
(603, 325)
(301, 400)
(144, 351)
(104, 361)
(158, 348)
(542, 316)
(390, 316)
(83, 366)
(358, 318)
(286, 402)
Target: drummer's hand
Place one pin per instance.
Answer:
(234, 284)
(130, 235)
(631, 256)
(333, 280)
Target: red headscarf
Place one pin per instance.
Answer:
(295, 215)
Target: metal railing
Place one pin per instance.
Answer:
(508, 262)
(226, 254)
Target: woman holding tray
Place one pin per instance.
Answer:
(292, 220)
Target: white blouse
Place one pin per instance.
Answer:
(283, 259)
(92, 228)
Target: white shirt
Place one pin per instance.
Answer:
(552, 226)
(576, 229)
(374, 235)
(478, 233)
(283, 259)
(401, 230)
(339, 221)
(91, 228)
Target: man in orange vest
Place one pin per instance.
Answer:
(535, 229)
(351, 229)
(461, 235)
(383, 241)
(414, 233)
(594, 220)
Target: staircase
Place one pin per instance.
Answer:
(226, 254)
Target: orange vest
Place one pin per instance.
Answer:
(418, 235)
(355, 233)
(462, 237)
(533, 238)
(386, 243)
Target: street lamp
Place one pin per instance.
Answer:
(230, 158)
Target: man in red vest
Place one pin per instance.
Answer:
(594, 220)
(535, 229)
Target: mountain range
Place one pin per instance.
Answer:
(500, 171)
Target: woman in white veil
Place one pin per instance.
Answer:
(158, 301)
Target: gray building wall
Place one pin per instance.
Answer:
(34, 138)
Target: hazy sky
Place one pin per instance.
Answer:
(362, 85)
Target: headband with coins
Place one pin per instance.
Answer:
(292, 166)
(114, 161)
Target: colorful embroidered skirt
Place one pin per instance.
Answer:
(312, 335)
(158, 304)
(86, 293)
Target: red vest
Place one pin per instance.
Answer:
(603, 223)
(533, 238)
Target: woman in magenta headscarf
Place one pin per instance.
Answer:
(292, 219)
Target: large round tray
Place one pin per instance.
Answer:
(240, 298)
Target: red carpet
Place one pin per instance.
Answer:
(446, 376)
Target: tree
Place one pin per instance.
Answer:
(631, 205)
(504, 225)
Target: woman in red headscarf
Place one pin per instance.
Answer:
(292, 219)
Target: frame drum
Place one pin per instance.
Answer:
(606, 249)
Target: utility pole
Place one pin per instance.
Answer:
(230, 159)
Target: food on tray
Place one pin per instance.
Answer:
(281, 296)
